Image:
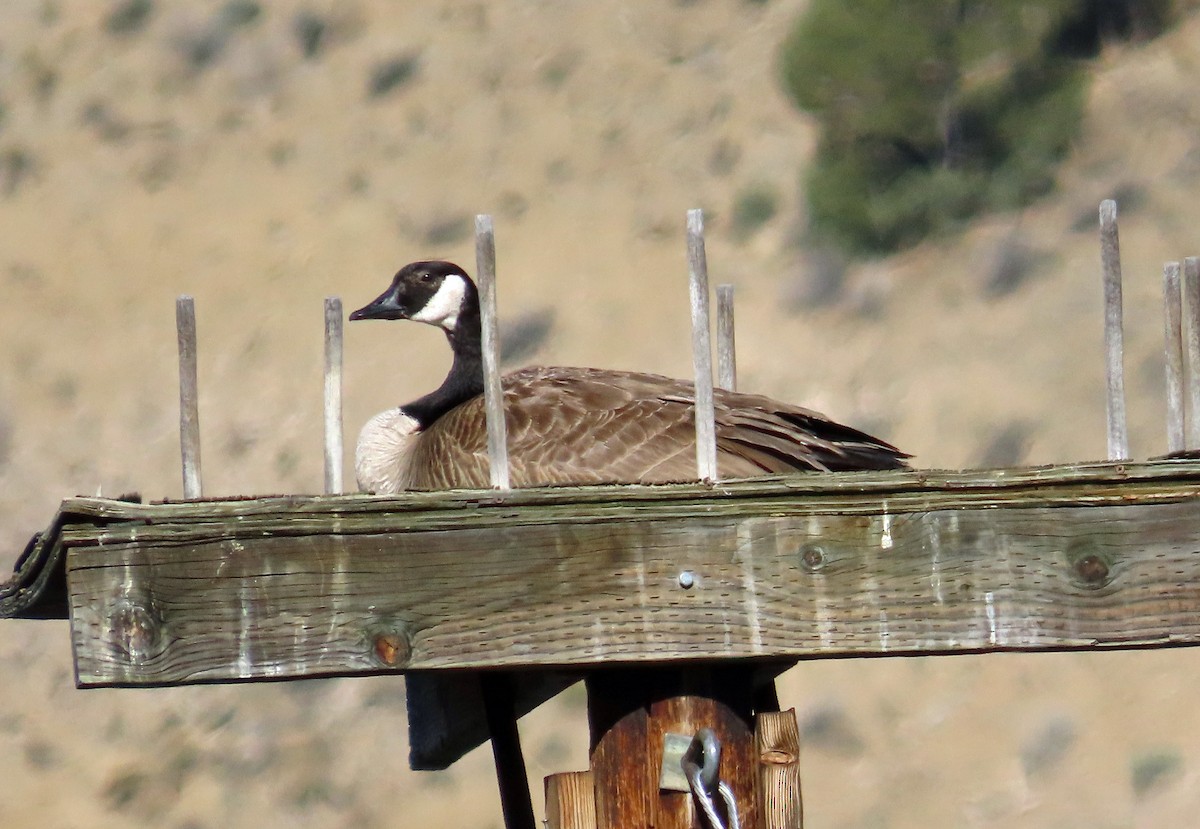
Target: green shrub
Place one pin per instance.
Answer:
(931, 112)
(391, 74)
(128, 17)
(753, 208)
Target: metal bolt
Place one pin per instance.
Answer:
(686, 579)
(812, 557)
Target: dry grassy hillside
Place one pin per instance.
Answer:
(264, 162)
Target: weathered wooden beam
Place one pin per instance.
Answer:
(788, 568)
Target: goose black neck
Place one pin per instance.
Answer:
(465, 379)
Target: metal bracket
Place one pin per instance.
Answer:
(701, 752)
(672, 778)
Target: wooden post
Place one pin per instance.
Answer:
(1173, 331)
(570, 801)
(706, 433)
(726, 345)
(1191, 344)
(1114, 348)
(631, 710)
(189, 394)
(777, 738)
(485, 265)
(333, 395)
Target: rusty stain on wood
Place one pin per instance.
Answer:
(392, 649)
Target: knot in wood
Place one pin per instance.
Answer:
(778, 757)
(392, 649)
(1090, 567)
(135, 630)
(1092, 570)
(812, 556)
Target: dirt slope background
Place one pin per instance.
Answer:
(262, 164)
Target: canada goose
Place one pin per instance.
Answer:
(575, 425)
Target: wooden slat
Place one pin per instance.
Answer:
(1097, 483)
(485, 272)
(1114, 348)
(777, 582)
(777, 739)
(332, 397)
(726, 340)
(561, 518)
(706, 434)
(189, 397)
(1173, 349)
(570, 801)
(623, 799)
(1190, 290)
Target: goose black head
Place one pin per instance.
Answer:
(434, 292)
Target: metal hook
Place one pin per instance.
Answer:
(704, 755)
(700, 764)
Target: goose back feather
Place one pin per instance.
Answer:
(583, 425)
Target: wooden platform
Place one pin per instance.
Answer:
(786, 568)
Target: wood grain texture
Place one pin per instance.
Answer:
(726, 340)
(783, 569)
(628, 751)
(189, 397)
(1173, 349)
(485, 271)
(1114, 337)
(332, 396)
(777, 740)
(1190, 291)
(570, 801)
(623, 789)
(706, 439)
(686, 715)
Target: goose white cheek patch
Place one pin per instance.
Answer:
(443, 307)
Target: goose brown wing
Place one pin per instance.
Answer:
(564, 426)
(591, 426)
(799, 438)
